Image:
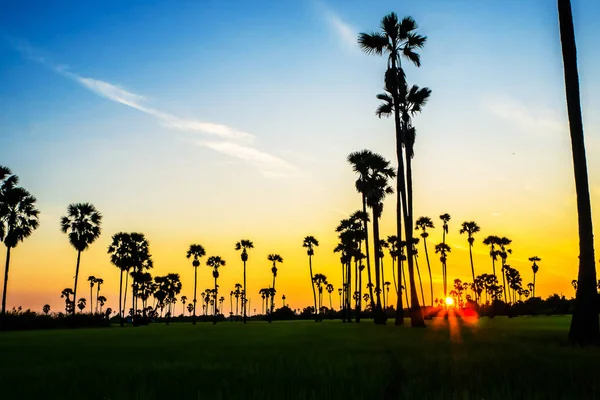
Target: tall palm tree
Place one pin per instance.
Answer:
(493, 241)
(215, 262)
(360, 161)
(393, 249)
(244, 245)
(470, 228)
(377, 189)
(99, 282)
(424, 223)
(82, 224)
(504, 252)
(18, 220)
(274, 258)
(196, 251)
(237, 293)
(330, 290)
(92, 281)
(415, 256)
(320, 280)
(445, 219)
(121, 252)
(535, 268)
(101, 300)
(443, 249)
(397, 39)
(310, 243)
(585, 327)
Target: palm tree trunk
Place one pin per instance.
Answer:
(215, 303)
(312, 285)
(246, 291)
(343, 294)
(473, 269)
(367, 251)
(504, 281)
(97, 295)
(120, 297)
(195, 287)
(359, 309)
(401, 268)
(76, 276)
(383, 282)
(272, 298)
(429, 269)
(356, 303)
(125, 291)
(378, 318)
(533, 291)
(349, 291)
(394, 275)
(330, 303)
(585, 327)
(91, 299)
(5, 287)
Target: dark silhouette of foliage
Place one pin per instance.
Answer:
(244, 245)
(196, 251)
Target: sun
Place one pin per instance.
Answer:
(449, 301)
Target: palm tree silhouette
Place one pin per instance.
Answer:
(470, 228)
(340, 294)
(397, 39)
(504, 252)
(69, 304)
(237, 293)
(215, 262)
(190, 308)
(101, 300)
(310, 243)
(415, 256)
(445, 219)
(393, 249)
(196, 251)
(574, 283)
(82, 224)
(263, 294)
(46, 309)
(383, 244)
(330, 290)
(585, 327)
(183, 301)
(81, 303)
(244, 245)
(121, 255)
(493, 241)
(443, 249)
(283, 300)
(535, 268)
(18, 220)
(274, 258)
(320, 280)
(92, 281)
(424, 223)
(99, 282)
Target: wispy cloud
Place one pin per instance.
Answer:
(268, 164)
(534, 119)
(345, 32)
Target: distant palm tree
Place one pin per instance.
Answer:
(18, 220)
(215, 262)
(183, 301)
(101, 300)
(69, 303)
(340, 294)
(397, 39)
(424, 223)
(585, 327)
(81, 303)
(387, 284)
(310, 243)
(535, 268)
(574, 283)
(493, 241)
(190, 308)
(504, 252)
(320, 280)
(92, 281)
(196, 251)
(82, 224)
(470, 228)
(330, 290)
(244, 245)
(283, 300)
(99, 282)
(443, 249)
(274, 258)
(445, 219)
(46, 309)
(237, 293)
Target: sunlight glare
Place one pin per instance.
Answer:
(449, 301)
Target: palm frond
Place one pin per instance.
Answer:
(372, 43)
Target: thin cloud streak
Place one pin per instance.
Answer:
(346, 33)
(532, 119)
(268, 164)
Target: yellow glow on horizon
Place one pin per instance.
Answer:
(449, 301)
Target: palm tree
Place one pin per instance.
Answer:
(387, 284)
(69, 304)
(443, 249)
(99, 282)
(196, 251)
(445, 219)
(493, 241)
(423, 223)
(101, 300)
(504, 252)
(46, 309)
(274, 258)
(585, 327)
(340, 294)
(415, 256)
(535, 268)
(397, 39)
(183, 301)
(81, 303)
(82, 224)
(190, 308)
(237, 293)
(310, 243)
(470, 228)
(320, 280)
(121, 255)
(360, 162)
(330, 290)
(377, 188)
(92, 281)
(18, 220)
(244, 245)
(574, 283)
(215, 262)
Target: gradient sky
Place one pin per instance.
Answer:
(211, 121)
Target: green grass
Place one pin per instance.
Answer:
(524, 357)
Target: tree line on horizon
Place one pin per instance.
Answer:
(397, 40)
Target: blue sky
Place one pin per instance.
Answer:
(158, 111)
